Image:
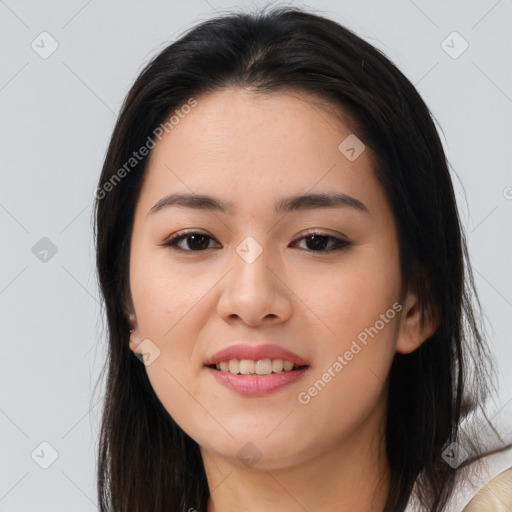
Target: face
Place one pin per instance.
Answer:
(306, 281)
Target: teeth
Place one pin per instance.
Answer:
(263, 367)
(259, 367)
(288, 365)
(277, 365)
(234, 366)
(246, 366)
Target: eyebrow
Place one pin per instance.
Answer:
(287, 204)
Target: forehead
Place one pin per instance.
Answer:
(256, 146)
(240, 124)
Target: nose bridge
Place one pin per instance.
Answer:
(252, 291)
(251, 270)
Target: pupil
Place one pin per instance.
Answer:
(203, 238)
(317, 244)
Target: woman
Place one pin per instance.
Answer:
(278, 244)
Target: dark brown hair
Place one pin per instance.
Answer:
(145, 460)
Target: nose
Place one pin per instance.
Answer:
(255, 292)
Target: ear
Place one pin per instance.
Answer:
(412, 333)
(134, 332)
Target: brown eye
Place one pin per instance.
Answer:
(194, 242)
(198, 242)
(317, 242)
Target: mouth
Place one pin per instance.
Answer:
(254, 371)
(252, 384)
(256, 367)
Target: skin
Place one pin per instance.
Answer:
(252, 150)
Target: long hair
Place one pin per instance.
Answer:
(146, 462)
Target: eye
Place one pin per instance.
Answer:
(316, 242)
(198, 242)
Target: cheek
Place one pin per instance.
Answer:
(350, 381)
(168, 305)
(162, 294)
(185, 401)
(354, 294)
(359, 305)
(343, 404)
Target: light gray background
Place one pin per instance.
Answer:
(57, 115)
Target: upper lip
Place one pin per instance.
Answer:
(255, 352)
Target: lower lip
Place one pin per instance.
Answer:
(257, 385)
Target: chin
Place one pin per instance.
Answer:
(260, 453)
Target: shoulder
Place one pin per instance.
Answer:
(495, 496)
(477, 482)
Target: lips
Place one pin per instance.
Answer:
(255, 353)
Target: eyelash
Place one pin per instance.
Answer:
(172, 242)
